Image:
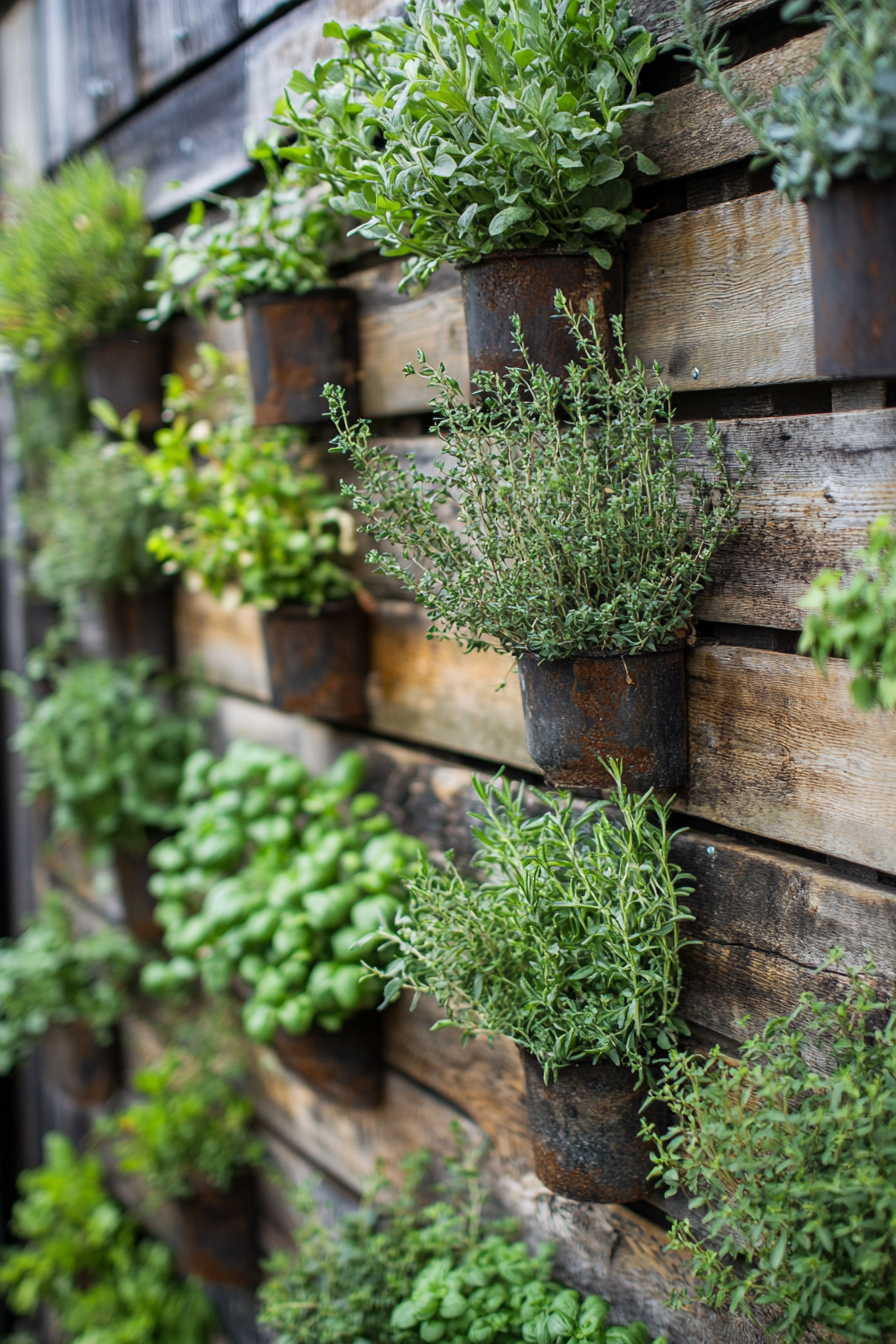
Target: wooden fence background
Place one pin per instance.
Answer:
(791, 801)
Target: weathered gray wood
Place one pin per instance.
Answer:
(21, 131)
(660, 18)
(173, 34)
(88, 74)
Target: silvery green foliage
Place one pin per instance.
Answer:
(475, 127)
(837, 121)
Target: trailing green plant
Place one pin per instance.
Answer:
(252, 520)
(278, 239)
(791, 1167)
(71, 261)
(463, 130)
(587, 531)
(274, 879)
(856, 619)
(48, 976)
(839, 119)
(570, 945)
(107, 747)
(82, 1255)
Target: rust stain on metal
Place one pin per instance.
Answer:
(74, 1061)
(220, 1233)
(296, 344)
(345, 1067)
(318, 664)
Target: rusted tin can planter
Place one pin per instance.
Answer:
(127, 370)
(141, 623)
(525, 282)
(297, 343)
(345, 1067)
(220, 1234)
(133, 873)
(75, 1062)
(595, 706)
(318, 663)
(853, 246)
(586, 1131)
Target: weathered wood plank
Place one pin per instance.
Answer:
(89, 73)
(663, 24)
(172, 35)
(225, 646)
(20, 93)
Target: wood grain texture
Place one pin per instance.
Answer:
(20, 93)
(663, 24)
(89, 74)
(172, 35)
(223, 646)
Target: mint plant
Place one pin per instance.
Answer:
(457, 132)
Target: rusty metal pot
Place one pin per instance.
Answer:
(345, 1067)
(598, 706)
(525, 282)
(141, 623)
(318, 663)
(586, 1131)
(127, 369)
(297, 343)
(853, 245)
(132, 870)
(75, 1062)
(220, 1233)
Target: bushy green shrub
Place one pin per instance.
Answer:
(570, 945)
(588, 531)
(463, 130)
(83, 1257)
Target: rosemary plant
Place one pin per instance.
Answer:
(581, 532)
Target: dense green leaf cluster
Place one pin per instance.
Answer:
(48, 975)
(792, 1169)
(274, 879)
(856, 619)
(252, 520)
(586, 531)
(275, 240)
(467, 129)
(107, 747)
(71, 261)
(838, 120)
(83, 1257)
(570, 945)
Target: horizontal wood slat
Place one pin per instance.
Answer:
(172, 35)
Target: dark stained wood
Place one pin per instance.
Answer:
(173, 34)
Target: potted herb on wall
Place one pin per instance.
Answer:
(491, 138)
(580, 546)
(267, 259)
(832, 140)
(570, 948)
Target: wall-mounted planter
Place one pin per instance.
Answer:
(345, 1067)
(594, 706)
(525, 283)
(117, 624)
(852, 237)
(74, 1061)
(586, 1131)
(220, 1233)
(127, 369)
(133, 872)
(297, 343)
(318, 663)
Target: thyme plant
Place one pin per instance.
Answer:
(570, 945)
(462, 130)
(838, 120)
(792, 1169)
(578, 532)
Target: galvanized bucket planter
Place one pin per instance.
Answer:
(853, 245)
(297, 343)
(220, 1233)
(594, 706)
(75, 1062)
(127, 370)
(133, 873)
(586, 1131)
(318, 663)
(525, 282)
(345, 1067)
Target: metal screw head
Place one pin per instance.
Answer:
(180, 34)
(695, 374)
(710, 849)
(97, 87)
(186, 144)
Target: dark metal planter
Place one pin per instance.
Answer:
(297, 343)
(127, 369)
(525, 283)
(132, 870)
(318, 664)
(141, 623)
(220, 1233)
(345, 1066)
(594, 706)
(73, 1061)
(852, 233)
(586, 1131)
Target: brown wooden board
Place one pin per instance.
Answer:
(172, 35)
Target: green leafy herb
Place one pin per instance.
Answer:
(791, 1168)
(856, 619)
(572, 534)
(839, 120)
(569, 947)
(470, 129)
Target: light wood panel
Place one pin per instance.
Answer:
(222, 646)
(172, 35)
